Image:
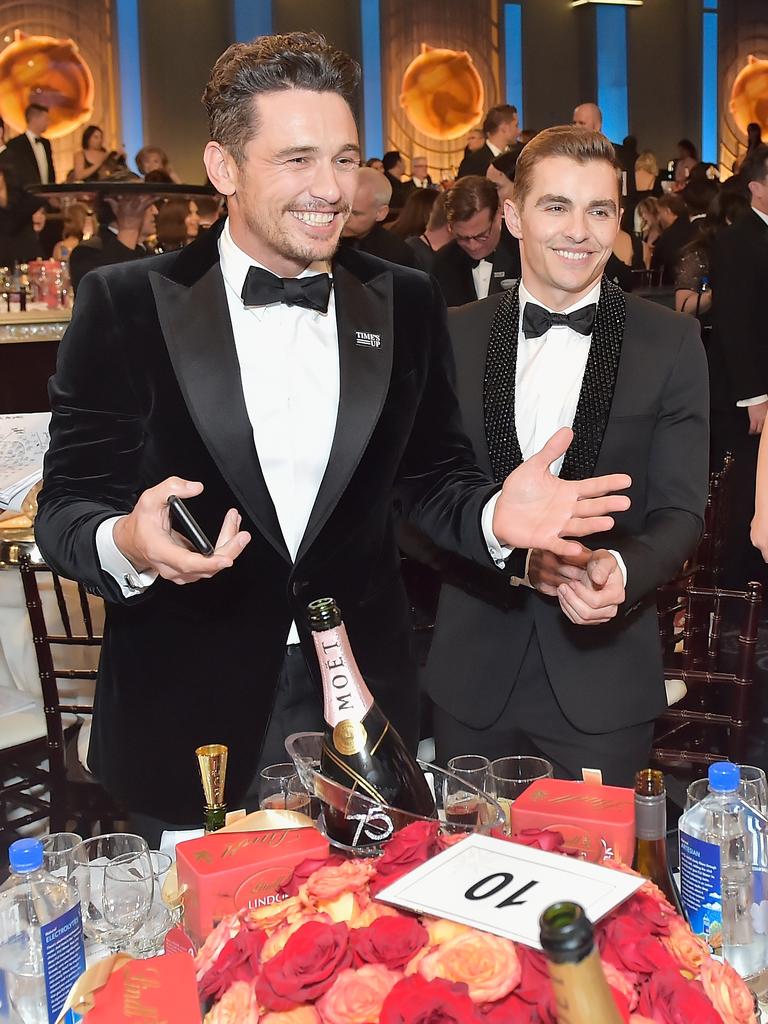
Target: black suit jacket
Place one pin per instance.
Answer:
(19, 159)
(669, 245)
(453, 270)
(101, 251)
(382, 243)
(609, 676)
(148, 385)
(477, 162)
(738, 350)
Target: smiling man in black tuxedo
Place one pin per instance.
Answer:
(567, 662)
(291, 403)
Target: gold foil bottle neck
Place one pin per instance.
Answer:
(212, 760)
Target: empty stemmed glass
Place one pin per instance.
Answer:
(115, 879)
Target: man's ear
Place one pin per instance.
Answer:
(381, 213)
(512, 218)
(221, 168)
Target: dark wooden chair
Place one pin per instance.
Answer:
(706, 564)
(43, 777)
(709, 723)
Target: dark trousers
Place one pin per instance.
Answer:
(532, 723)
(297, 707)
(730, 433)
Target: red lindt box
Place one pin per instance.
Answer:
(228, 871)
(597, 820)
(161, 989)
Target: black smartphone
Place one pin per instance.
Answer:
(183, 521)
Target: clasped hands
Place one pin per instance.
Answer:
(589, 587)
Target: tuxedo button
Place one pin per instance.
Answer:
(299, 587)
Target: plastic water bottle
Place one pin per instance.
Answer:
(724, 874)
(41, 937)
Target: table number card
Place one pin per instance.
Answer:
(503, 888)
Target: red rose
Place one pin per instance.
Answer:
(668, 998)
(655, 915)
(391, 941)
(540, 839)
(414, 1000)
(512, 1010)
(406, 850)
(302, 872)
(237, 961)
(306, 967)
(625, 942)
(535, 988)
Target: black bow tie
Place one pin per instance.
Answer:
(261, 288)
(38, 139)
(537, 320)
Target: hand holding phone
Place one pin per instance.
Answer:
(186, 524)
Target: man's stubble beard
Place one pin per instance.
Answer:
(278, 238)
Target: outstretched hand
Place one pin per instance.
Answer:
(536, 509)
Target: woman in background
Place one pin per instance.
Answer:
(414, 216)
(93, 160)
(78, 224)
(152, 158)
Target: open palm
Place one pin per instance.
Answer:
(539, 510)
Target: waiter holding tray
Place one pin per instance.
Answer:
(288, 393)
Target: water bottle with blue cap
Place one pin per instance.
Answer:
(41, 939)
(723, 874)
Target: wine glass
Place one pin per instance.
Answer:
(57, 852)
(114, 878)
(752, 789)
(461, 806)
(280, 788)
(511, 776)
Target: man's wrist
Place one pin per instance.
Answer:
(120, 535)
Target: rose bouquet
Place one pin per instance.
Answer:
(329, 953)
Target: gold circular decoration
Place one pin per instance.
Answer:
(349, 737)
(442, 93)
(749, 95)
(52, 72)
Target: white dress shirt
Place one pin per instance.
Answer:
(289, 369)
(481, 275)
(548, 378)
(758, 399)
(40, 155)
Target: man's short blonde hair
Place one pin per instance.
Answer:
(571, 141)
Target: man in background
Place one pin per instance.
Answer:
(677, 232)
(420, 172)
(501, 128)
(482, 258)
(126, 224)
(365, 229)
(394, 169)
(28, 157)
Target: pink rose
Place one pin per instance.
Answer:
(730, 996)
(687, 949)
(328, 883)
(486, 964)
(226, 929)
(301, 1015)
(303, 870)
(237, 1006)
(356, 997)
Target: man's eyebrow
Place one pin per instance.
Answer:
(603, 204)
(561, 200)
(294, 151)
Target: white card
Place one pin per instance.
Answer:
(503, 887)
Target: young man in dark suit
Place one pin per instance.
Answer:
(555, 656)
(288, 406)
(28, 157)
(482, 258)
(738, 357)
(501, 127)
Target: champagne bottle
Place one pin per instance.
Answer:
(582, 995)
(212, 763)
(651, 834)
(361, 749)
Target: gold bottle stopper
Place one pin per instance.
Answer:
(212, 761)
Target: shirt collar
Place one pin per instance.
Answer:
(763, 216)
(31, 136)
(235, 265)
(593, 296)
(494, 149)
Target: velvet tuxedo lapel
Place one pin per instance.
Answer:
(198, 334)
(366, 342)
(595, 398)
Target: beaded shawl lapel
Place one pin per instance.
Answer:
(595, 397)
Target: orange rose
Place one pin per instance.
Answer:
(441, 931)
(301, 1015)
(277, 940)
(207, 955)
(356, 997)
(688, 949)
(329, 882)
(238, 1005)
(273, 915)
(727, 992)
(487, 964)
(371, 913)
(345, 907)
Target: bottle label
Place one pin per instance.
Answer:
(349, 737)
(63, 959)
(700, 887)
(346, 698)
